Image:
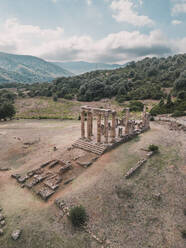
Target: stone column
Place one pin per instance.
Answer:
(82, 124)
(113, 130)
(144, 115)
(147, 120)
(127, 121)
(91, 130)
(99, 128)
(106, 127)
(89, 118)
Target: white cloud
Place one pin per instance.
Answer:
(176, 22)
(125, 12)
(89, 2)
(178, 7)
(52, 44)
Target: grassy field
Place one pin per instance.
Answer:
(46, 108)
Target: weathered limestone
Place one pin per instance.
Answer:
(16, 234)
(144, 116)
(127, 121)
(89, 125)
(91, 129)
(106, 127)
(113, 130)
(120, 132)
(99, 128)
(82, 124)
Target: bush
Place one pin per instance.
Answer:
(55, 98)
(7, 110)
(136, 106)
(153, 148)
(183, 234)
(78, 216)
(178, 113)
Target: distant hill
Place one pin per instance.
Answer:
(83, 67)
(28, 69)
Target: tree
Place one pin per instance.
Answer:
(7, 110)
(169, 102)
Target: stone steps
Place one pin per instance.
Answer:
(90, 147)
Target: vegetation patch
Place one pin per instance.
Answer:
(78, 216)
(153, 148)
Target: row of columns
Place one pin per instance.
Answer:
(99, 117)
(105, 113)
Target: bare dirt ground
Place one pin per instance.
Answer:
(126, 212)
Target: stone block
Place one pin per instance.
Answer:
(16, 234)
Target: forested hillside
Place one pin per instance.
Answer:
(28, 69)
(145, 79)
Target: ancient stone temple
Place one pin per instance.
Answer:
(101, 129)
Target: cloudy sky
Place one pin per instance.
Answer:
(111, 31)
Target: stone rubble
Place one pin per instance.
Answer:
(45, 178)
(5, 169)
(1, 232)
(16, 234)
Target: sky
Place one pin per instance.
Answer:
(107, 31)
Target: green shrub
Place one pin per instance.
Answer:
(153, 148)
(183, 234)
(136, 106)
(78, 216)
(55, 98)
(184, 211)
(178, 113)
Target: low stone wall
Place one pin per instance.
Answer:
(139, 164)
(176, 123)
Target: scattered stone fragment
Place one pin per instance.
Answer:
(45, 193)
(53, 164)
(1, 209)
(85, 164)
(16, 176)
(60, 203)
(22, 179)
(149, 154)
(45, 164)
(65, 168)
(69, 180)
(32, 183)
(133, 170)
(30, 173)
(53, 182)
(157, 196)
(5, 169)
(16, 234)
(1, 232)
(2, 223)
(1, 217)
(41, 177)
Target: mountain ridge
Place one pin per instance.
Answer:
(28, 69)
(80, 67)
